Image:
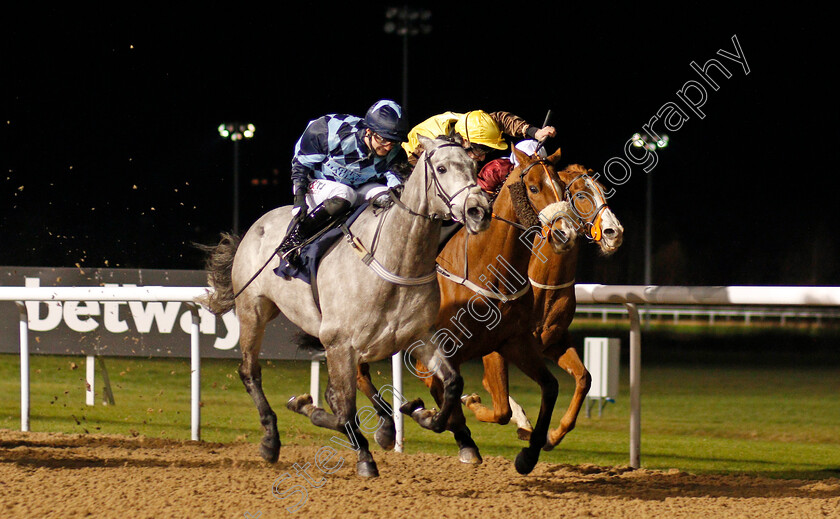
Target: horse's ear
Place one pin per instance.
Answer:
(555, 157)
(521, 156)
(426, 143)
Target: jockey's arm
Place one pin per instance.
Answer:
(310, 150)
(516, 126)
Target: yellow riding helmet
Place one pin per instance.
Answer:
(479, 128)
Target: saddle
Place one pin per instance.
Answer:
(312, 250)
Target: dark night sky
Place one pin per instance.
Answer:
(111, 157)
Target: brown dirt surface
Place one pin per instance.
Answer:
(48, 475)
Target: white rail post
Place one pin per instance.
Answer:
(24, 366)
(90, 380)
(315, 380)
(635, 381)
(396, 375)
(195, 374)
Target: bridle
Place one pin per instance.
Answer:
(592, 225)
(439, 191)
(545, 227)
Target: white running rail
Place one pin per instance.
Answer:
(632, 295)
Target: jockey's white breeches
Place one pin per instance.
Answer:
(320, 190)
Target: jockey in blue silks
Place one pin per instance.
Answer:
(339, 162)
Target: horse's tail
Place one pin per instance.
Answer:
(309, 343)
(219, 266)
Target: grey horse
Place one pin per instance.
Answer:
(362, 316)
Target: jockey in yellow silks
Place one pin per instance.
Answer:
(481, 132)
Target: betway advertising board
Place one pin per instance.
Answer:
(130, 328)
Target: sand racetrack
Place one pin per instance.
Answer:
(47, 475)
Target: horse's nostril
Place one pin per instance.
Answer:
(561, 236)
(609, 232)
(475, 213)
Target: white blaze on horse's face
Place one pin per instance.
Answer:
(559, 226)
(590, 205)
(455, 175)
(612, 233)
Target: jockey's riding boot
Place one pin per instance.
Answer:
(311, 224)
(293, 240)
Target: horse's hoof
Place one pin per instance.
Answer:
(367, 469)
(270, 452)
(525, 461)
(386, 436)
(410, 407)
(470, 456)
(469, 400)
(523, 434)
(296, 403)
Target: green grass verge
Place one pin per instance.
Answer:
(776, 421)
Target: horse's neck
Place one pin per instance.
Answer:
(408, 243)
(558, 269)
(500, 240)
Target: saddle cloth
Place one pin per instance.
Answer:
(311, 253)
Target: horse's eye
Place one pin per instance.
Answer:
(534, 189)
(441, 170)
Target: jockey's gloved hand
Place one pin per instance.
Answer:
(299, 209)
(382, 201)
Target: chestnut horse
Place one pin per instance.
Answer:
(474, 305)
(552, 278)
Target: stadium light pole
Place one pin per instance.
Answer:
(406, 22)
(644, 141)
(236, 132)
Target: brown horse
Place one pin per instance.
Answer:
(477, 314)
(552, 278)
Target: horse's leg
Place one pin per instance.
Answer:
(439, 366)
(495, 381)
(386, 434)
(571, 363)
(523, 425)
(251, 330)
(457, 423)
(341, 397)
(505, 408)
(527, 359)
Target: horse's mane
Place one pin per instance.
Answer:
(519, 200)
(575, 168)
